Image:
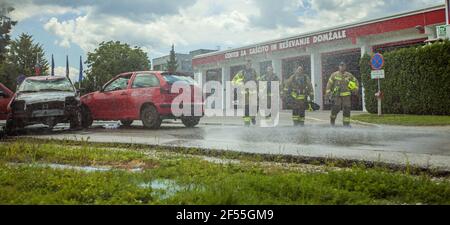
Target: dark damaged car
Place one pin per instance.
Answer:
(47, 100)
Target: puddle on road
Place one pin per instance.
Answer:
(341, 137)
(80, 168)
(220, 161)
(70, 167)
(164, 187)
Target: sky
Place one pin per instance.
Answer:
(76, 27)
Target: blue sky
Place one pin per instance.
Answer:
(73, 28)
(47, 40)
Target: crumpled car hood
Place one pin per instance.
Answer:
(31, 98)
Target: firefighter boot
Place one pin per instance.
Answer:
(333, 120)
(247, 121)
(301, 122)
(254, 120)
(347, 122)
(298, 121)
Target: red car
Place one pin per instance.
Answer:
(144, 96)
(5, 97)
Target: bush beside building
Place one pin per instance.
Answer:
(417, 81)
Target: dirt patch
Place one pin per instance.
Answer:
(136, 164)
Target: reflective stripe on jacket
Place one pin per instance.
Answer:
(342, 84)
(298, 87)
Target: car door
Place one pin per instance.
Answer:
(108, 100)
(145, 88)
(5, 98)
(121, 102)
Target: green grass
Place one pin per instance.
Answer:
(404, 120)
(195, 180)
(79, 156)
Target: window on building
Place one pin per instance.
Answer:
(157, 67)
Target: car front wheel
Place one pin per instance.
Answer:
(190, 121)
(76, 120)
(150, 117)
(86, 117)
(11, 127)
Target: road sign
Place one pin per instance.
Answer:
(377, 61)
(377, 74)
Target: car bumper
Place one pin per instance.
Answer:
(37, 116)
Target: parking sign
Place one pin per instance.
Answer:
(377, 61)
(377, 74)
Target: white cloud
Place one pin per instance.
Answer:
(73, 72)
(79, 31)
(228, 23)
(26, 10)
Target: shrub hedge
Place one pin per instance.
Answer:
(417, 81)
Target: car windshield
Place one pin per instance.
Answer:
(172, 78)
(31, 85)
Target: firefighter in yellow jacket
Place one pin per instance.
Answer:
(296, 91)
(339, 91)
(241, 78)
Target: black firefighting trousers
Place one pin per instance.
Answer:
(344, 104)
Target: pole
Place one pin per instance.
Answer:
(447, 11)
(80, 77)
(53, 66)
(37, 68)
(447, 16)
(67, 66)
(379, 98)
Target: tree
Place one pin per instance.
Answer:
(110, 59)
(6, 70)
(172, 65)
(5, 28)
(22, 57)
(25, 55)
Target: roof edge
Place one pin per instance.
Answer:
(339, 27)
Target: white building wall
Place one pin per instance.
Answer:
(225, 78)
(277, 67)
(316, 77)
(366, 48)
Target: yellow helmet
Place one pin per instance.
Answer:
(352, 85)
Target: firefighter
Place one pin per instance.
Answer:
(269, 76)
(241, 78)
(339, 91)
(296, 91)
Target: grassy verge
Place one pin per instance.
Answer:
(404, 120)
(172, 178)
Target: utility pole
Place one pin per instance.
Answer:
(37, 67)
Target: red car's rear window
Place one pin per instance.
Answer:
(172, 78)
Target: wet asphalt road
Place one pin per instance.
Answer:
(421, 146)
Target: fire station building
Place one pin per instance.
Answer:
(320, 52)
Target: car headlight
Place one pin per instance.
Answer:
(71, 101)
(18, 106)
